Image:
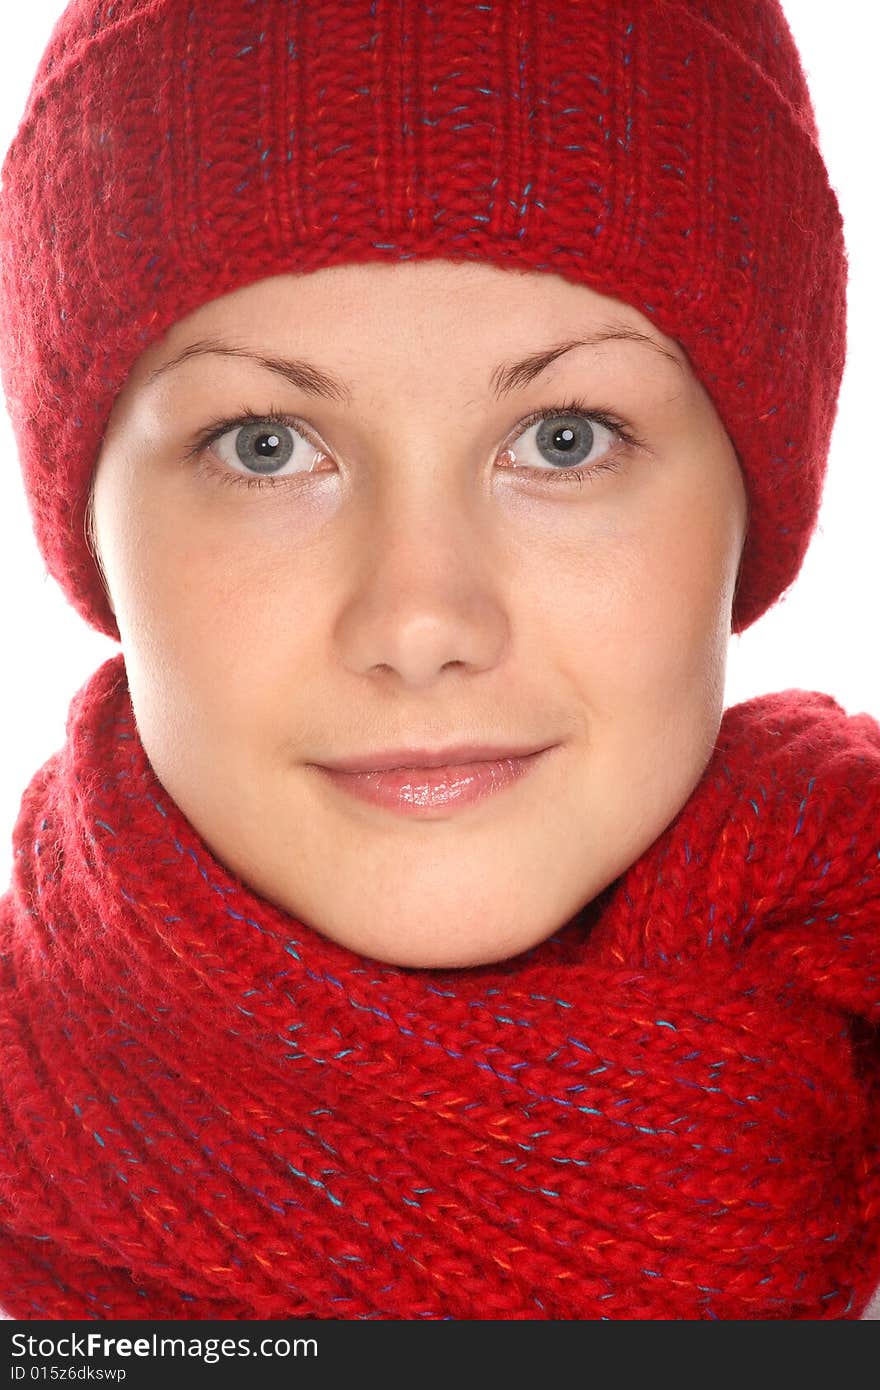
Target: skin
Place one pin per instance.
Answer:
(416, 587)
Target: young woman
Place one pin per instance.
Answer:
(421, 397)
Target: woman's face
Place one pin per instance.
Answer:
(422, 573)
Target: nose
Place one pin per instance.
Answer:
(425, 593)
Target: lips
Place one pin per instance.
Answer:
(439, 789)
(453, 756)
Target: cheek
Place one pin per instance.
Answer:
(645, 620)
(200, 574)
(202, 606)
(640, 644)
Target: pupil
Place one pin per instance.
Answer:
(570, 443)
(269, 446)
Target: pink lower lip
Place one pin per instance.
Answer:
(419, 791)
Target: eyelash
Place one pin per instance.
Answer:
(276, 416)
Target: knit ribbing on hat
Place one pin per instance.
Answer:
(662, 153)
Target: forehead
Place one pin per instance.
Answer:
(506, 325)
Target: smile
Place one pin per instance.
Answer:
(421, 791)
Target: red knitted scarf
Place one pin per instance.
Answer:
(670, 1109)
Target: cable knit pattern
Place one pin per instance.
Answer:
(669, 1109)
(662, 153)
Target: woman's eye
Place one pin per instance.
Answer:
(564, 439)
(265, 448)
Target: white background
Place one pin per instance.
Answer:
(821, 636)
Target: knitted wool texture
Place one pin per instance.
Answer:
(662, 153)
(669, 1109)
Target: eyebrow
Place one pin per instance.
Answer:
(507, 377)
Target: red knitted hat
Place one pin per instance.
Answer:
(662, 153)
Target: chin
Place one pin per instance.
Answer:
(449, 955)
